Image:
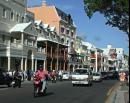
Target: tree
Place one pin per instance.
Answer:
(115, 11)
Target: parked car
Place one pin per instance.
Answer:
(97, 77)
(5, 79)
(82, 76)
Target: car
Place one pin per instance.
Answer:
(104, 75)
(82, 76)
(97, 77)
(5, 79)
(66, 76)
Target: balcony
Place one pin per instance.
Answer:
(16, 46)
(41, 50)
(3, 46)
(93, 56)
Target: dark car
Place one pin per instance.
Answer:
(5, 79)
(104, 75)
(113, 75)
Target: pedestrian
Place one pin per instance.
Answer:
(29, 75)
(122, 77)
(17, 79)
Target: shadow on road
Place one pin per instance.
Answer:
(1, 87)
(49, 93)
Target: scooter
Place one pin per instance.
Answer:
(37, 88)
(53, 79)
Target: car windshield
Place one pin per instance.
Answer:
(103, 73)
(81, 71)
(96, 74)
(65, 73)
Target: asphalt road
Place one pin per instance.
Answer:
(60, 92)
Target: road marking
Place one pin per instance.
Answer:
(111, 90)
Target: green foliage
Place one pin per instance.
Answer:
(115, 11)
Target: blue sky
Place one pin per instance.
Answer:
(92, 30)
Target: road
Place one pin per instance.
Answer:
(60, 92)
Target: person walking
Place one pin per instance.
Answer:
(122, 77)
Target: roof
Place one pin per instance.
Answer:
(38, 22)
(52, 28)
(20, 27)
(46, 26)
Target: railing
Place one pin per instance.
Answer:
(16, 46)
(3, 45)
(92, 56)
(41, 50)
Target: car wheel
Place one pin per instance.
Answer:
(74, 85)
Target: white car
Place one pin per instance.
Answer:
(66, 76)
(82, 76)
(97, 77)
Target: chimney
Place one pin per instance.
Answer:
(43, 2)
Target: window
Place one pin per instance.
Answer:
(17, 18)
(62, 30)
(3, 38)
(22, 19)
(12, 16)
(67, 31)
(12, 39)
(72, 34)
(4, 13)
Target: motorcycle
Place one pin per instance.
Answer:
(17, 81)
(53, 79)
(38, 88)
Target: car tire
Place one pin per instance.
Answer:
(74, 85)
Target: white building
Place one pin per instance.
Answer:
(113, 58)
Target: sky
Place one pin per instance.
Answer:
(92, 30)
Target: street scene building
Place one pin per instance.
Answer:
(18, 38)
(65, 29)
(29, 40)
(43, 55)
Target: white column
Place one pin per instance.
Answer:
(58, 57)
(101, 62)
(22, 38)
(32, 62)
(22, 64)
(35, 64)
(25, 64)
(96, 61)
(9, 63)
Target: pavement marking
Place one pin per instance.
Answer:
(109, 93)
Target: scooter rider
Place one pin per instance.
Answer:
(42, 74)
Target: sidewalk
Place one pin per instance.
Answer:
(120, 94)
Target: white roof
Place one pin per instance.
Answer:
(20, 27)
(41, 39)
(52, 28)
(46, 25)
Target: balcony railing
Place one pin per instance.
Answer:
(41, 50)
(93, 56)
(16, 46)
